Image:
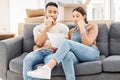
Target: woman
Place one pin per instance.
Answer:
(82, 47)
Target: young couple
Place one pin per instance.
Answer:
(79, 47)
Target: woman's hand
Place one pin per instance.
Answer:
(81, 24)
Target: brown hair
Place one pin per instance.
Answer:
(82, 11)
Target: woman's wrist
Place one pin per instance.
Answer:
(82, 30)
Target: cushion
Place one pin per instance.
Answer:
(84, 68)
(34, 12)
(112, 64)
(102, 39)
(34, 20)
(16, 64)
(70, 26)
(115, 38)
(28, 39)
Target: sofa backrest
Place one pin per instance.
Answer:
(115, 38)
(28, 39)
(102, 39)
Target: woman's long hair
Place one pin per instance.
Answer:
(82, 11)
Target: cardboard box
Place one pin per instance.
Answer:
(20, 28)
(35, 20)
(66, 9)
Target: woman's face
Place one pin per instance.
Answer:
(77, 16)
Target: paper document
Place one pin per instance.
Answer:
(56, 39)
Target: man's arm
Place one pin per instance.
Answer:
(41, 38)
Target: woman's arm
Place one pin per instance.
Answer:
(90, 36)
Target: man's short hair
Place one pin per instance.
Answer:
(51, 4)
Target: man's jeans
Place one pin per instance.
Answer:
(37, 57)
(32, 59)
(71, 52)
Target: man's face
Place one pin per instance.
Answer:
(52, 11)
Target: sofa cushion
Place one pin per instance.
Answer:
(70, 26)
(102, 39)
(112, 64)
(28, 39)
(115, 38)
(16, 64)
(84, 68)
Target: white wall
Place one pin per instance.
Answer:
(4, 15)
(18, 11)
(66, 1)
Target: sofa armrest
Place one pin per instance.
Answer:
(9, 49)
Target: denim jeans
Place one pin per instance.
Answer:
(82, 52)
(32, 59)
(67, 64)
(71, 52)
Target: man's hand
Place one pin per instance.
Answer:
(45, 47)
(54, 49)
(50, 22)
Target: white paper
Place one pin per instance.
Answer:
(56, 39)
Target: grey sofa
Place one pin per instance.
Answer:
(13, 51)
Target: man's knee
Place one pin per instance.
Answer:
(26, 60)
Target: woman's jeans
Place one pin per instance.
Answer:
(32, 59)
(70, 52)
(67, 64)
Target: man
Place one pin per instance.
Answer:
(43, 46)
